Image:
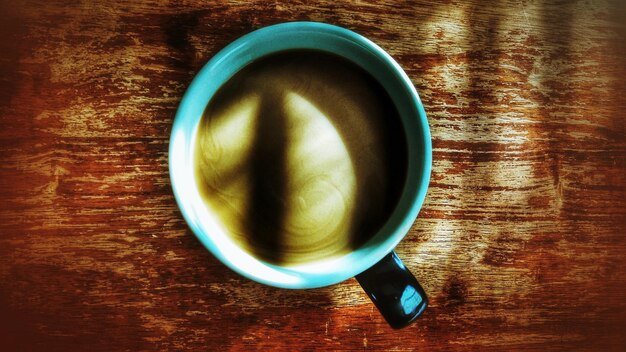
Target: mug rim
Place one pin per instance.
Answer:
(182, 142)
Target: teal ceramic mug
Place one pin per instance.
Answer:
(385, 279)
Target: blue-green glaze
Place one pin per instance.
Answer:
(304, 35)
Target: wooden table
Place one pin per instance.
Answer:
(521, 244)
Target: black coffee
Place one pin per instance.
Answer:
(300, 156)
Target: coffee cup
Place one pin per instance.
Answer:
(292, 141)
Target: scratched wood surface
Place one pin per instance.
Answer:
(521, 243)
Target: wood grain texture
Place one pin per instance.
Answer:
(521, 244)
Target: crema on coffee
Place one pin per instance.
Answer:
(300, 156)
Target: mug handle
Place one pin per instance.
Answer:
(394, 290)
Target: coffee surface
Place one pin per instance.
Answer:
(300, 156)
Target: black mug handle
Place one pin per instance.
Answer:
(394, 290)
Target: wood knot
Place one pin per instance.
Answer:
(454, 292)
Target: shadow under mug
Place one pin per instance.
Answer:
(392, 288)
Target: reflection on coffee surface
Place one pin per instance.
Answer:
(300, 156)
